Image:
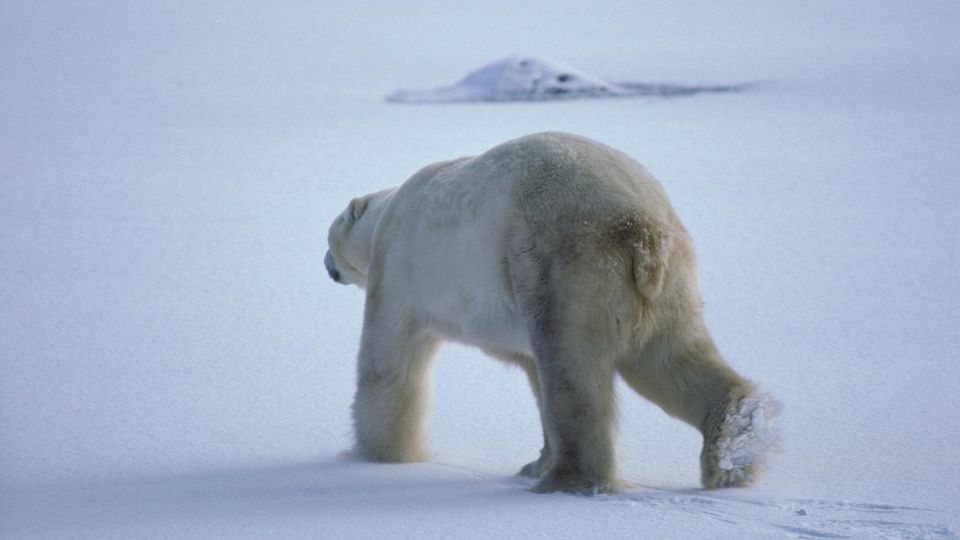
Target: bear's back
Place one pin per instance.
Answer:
(567, 174)
(561, 183)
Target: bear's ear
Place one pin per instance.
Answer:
(356, 209)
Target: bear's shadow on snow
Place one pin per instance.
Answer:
(343, 489)
(334, 486)
(329, 486)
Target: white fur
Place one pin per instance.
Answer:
(560, 255)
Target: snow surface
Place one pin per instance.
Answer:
(174, 362)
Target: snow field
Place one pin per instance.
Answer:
(174, 362)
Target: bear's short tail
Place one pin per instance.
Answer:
(651, 249)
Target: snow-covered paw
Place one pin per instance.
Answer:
(735, 448)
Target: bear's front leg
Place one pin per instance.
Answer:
(393, 388)
(537, 467)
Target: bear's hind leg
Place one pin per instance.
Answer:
(579, 410)
(572, 323)
(393, 390)
(691, 381)
(576, 372)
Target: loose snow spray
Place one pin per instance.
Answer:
(524, 78)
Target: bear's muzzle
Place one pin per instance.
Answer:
(331, 267)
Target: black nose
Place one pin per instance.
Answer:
(331, 267)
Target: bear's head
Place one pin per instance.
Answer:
(351, 238)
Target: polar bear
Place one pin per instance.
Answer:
(560, 255)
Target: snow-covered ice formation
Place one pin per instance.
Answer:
(525, 78)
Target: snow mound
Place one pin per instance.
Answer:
(525, 78)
